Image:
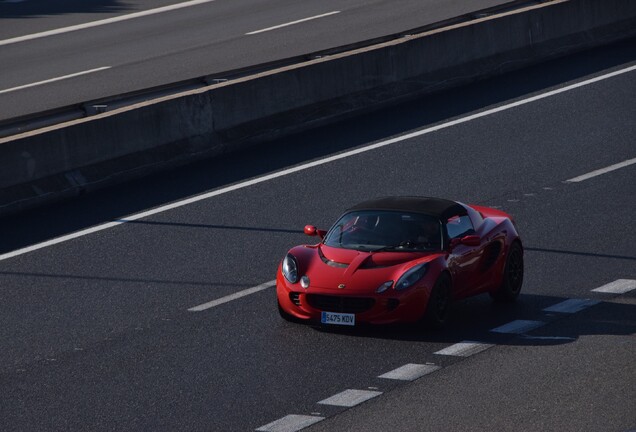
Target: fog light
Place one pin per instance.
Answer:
(304, 281)
(392, 304)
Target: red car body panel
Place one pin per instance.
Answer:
(350, 278)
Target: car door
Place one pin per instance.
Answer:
(464, 259)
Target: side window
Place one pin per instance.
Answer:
(459, 226)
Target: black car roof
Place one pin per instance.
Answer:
(437, 207)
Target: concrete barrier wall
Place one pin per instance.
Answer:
(63, 160)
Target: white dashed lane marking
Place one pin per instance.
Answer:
(290, 423)
(465, 349)
(518, 327)
(602, 171)
(410, 372)
(571, 305)
(350, 398)
(48, 81)
(292, 23)
(620, 286)
(232, 297)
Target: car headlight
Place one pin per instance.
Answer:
(385, 286)
(409, 278)
(290, 268)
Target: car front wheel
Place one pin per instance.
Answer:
(439, 303)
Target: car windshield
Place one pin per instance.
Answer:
(386, 231)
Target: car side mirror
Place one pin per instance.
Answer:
(312, 231)
(469, 240)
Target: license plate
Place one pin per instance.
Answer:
(334, 318)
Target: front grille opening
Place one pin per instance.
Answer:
(392, 304)
(340, 304)
(295, 298)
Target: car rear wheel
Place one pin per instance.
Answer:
(439, 303)
(513, 276)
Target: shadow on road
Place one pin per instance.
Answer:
(217, 227)
(47, 277)
(577, 253)
(474, 319)
(38, 8)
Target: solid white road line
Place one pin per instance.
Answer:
(350, 398)
(292, 23)
(73, 75)
(518, 326)
(290, 423)
(464, 349)
(104, 21)
(602, 171)
(311, 164)
(57, 240)
(620, 286)
(229, 298)
(410, 372)
(571, 305)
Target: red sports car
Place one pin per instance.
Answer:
(400, 260)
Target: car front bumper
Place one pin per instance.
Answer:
(389, 307)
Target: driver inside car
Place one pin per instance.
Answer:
(429, 233)
(361, 228)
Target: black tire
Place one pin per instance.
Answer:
(513, 276)
(439, 303)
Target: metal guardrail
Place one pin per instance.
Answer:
(30, 122)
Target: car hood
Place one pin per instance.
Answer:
(330, 268)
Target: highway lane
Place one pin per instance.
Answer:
(181, 44)
(96, 333)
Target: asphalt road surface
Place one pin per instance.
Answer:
(95, 326)
(124, 46)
